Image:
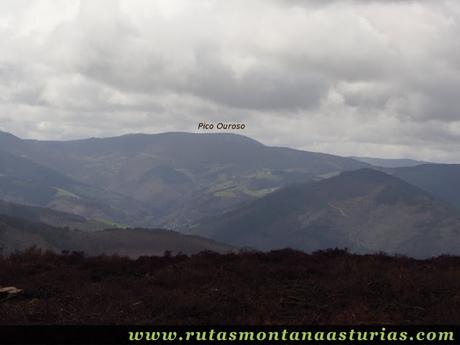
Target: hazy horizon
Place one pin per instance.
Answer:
(220, 132)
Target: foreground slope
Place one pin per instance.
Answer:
(281, 288)
(19, 234)
(364, 210)
(178, 175)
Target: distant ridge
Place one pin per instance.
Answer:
(23, 181)
(388, 162)
(440, 180)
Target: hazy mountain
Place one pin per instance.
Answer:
(52, 217)
(177, 175)
(19, 234)
(23, 181)
(389, 163)
(364, 210)
(440, 180)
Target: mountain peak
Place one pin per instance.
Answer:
(8, 135)
(365, 210)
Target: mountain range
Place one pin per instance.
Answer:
(227, 187)
(171, 179)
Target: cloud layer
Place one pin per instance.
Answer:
(378, 78)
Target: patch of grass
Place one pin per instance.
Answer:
(111, 224)
(62, 193)
(226, 193)
(259, 193)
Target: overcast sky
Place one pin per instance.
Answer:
(363, 77)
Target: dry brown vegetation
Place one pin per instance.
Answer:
(280, 287)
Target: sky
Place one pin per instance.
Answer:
(374, 78)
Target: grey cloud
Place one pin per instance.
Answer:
(338, 76)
